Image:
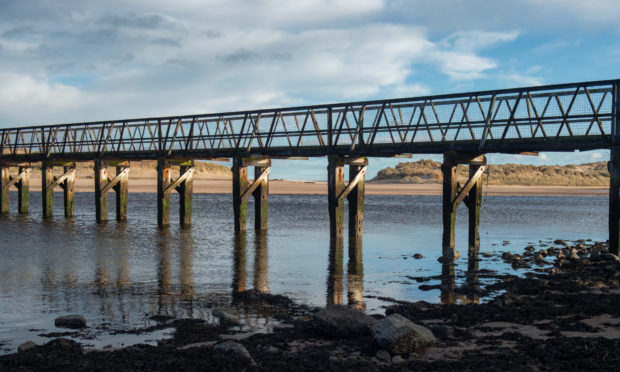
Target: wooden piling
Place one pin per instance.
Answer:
(23, 190)
(356, 201)
(335, 186)
(185, 190)
(163, 198)
(122, 191)
(4, 193)
(68, 187)
(101, 192)
(454, 194)
(240, 185)
(47, 189)
(261, 199)
(474, 202)
(450, 186)
(614, 201)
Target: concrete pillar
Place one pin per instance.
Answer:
(335, 186)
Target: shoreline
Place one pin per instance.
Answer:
(224, 186)
(566, 301)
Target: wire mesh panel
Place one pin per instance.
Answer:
(558, 117)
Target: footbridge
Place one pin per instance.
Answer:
(463, 127)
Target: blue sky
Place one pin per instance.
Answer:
(83, 60)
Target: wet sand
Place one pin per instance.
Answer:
(224, 186)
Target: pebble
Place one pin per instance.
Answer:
(73, 321)
(417, 256)
(383, 355)
(26, 346)
(397, 360)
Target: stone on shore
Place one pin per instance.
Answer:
(73, 321)
(225, 317)
(26, 346)
(236, 349)
(339, 320)
(400, 335)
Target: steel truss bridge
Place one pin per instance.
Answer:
(565, 117)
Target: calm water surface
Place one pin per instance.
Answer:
(119, 274)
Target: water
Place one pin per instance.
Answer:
(119, 274)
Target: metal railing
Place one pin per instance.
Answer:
(545, 118)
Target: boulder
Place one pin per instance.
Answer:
(339, 320)
(609, 257)
(70, 321)
(26, 346)
(235, 349)
(225, 317)
(400, 335)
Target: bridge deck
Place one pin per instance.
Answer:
(546, 118)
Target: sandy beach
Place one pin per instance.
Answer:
(205, 185)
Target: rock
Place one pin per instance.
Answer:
(417, 256)
(236, 349)
(205, 344)
(273, 350)
(529, 248)
(397, 360)
(609, 257)
(442, 331)
(400, 335)
(506, 255)
(596, 252)
(70, 321)
(225, 317)
(339, 320)
(543, 252)
(383, 356)
(26, 346)
(560, 242)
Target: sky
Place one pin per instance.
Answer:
(83, 60)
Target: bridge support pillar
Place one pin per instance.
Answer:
(183, 185)
(353, 191)
(21, 182)
(454, 194)
(614, 201)
(104, 184)
(242, 189)
(48, 182)
(4, 193)
(23, 190)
